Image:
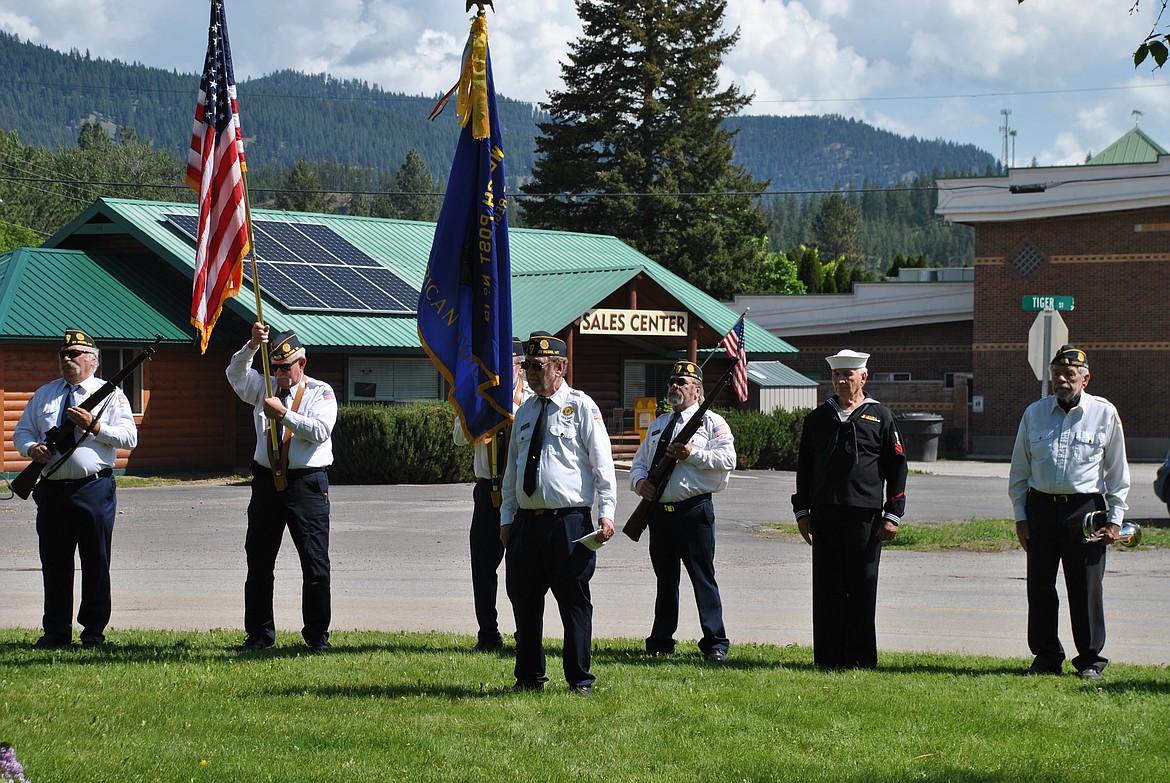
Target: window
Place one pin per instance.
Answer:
(644, 379)
(112, 362)
(392, 380)
(890, 376)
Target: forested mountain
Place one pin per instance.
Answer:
(288, 116)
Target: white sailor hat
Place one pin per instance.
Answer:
(847, 360)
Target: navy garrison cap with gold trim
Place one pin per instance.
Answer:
(1070, 356)
(78, 337)
(687, 369)
(284, 345)
(544, 344)
(517, 347)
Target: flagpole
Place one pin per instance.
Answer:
(274, 444)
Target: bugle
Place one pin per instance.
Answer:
(1130, 535)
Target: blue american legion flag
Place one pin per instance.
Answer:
(733, 343)
(215, 171)
(465, 305)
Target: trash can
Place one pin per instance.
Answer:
(920, 435)
(645, 409)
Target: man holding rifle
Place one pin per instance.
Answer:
(75, 497)
(682, 519)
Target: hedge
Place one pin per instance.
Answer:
(376, 444)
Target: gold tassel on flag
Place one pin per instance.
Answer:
(471, 103)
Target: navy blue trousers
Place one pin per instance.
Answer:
(486, 554)
(846, 552)
(687, 538)
(1055, 541)
(303, 507)
(76, 517)
(542, 557)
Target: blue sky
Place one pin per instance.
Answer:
(933, 69)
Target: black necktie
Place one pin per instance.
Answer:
(70, 439)
(664, 441)
(534, 448)
(283, 394)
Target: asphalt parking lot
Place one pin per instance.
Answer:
(400, 562)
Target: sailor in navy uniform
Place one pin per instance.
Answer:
(559, 463)
(304, 410)
(682, 522)
(76, 502)
(850, 496)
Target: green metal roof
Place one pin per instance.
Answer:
(776, 374)
(44, 291)
(556, 275)
(1133, 147)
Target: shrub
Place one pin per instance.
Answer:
(375, 444)
(766, 441)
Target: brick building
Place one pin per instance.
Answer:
(1099, 233)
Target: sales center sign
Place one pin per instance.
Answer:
(644, 323)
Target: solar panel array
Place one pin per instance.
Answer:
(310, 267)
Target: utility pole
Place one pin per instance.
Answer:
(1006, 129)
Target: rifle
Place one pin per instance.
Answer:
(23, 484)
(660, 473)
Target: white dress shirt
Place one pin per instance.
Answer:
(1079, 452)
(116, 428)
(311, 424)
(707, 469)
(576, 463)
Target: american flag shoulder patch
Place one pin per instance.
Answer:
(720, 430)
(327, 394)
(596, 414)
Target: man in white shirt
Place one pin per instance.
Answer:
(304, 410)
(682, 522)
(75, 497)
(1068, 461)
(559, 463)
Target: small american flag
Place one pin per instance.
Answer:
(733, 343)
(215, 170)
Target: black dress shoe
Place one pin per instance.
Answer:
(53, 641)
(716, 656)
(251, 644)
(584, 691)
(522, 686)
(91, 643)
(320, 646)
(1090, 674)
(1034, 671)
(488, 647)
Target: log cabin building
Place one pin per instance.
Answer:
(122, 272)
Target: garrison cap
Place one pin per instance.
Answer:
(517, 347)
(1070, 356)
(847, 360)
(284, 345)
(544, 344)
(78, 337)
(687, 369)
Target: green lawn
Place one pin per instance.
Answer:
(178, 706)
(976, 535)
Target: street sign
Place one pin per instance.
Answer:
(1048, 333)
(1041, 302)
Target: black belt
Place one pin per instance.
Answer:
(1074, 498)
(554, 512)
(684, 505)
(292, 472)
(103, 473)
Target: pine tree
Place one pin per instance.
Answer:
(414, 189)
(640, 120)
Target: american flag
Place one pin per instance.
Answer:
(215, 170)
(733, 343)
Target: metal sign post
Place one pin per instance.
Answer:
(1048, 333)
